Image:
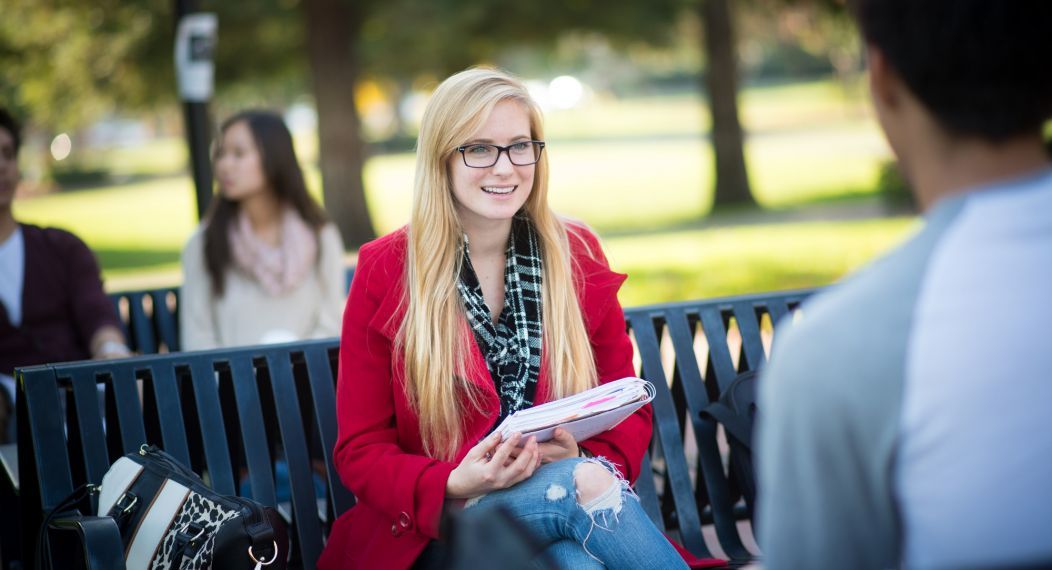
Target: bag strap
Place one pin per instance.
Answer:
(65, 505)
(737, 426)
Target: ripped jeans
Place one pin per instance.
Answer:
(610, 531)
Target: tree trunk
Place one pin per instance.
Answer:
(332, 31)
(721, 83)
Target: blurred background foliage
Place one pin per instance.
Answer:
(630, 116)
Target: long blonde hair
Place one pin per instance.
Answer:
(434, 335)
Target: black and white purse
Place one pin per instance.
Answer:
(169, 519)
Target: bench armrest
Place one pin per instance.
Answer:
(87, 542)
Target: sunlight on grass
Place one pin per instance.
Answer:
(786, 169)
(158, 214)
(748, 259)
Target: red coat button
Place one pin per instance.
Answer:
(405, 521)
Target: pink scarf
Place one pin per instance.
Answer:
(279, 269)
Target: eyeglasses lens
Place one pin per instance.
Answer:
(486, 155)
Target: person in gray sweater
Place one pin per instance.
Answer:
(904, 420)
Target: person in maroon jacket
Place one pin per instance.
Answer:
(485, 304)
(52, 305)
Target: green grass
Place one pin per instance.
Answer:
(747, 259)
(632, 169)
(619, 184)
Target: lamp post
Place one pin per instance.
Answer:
(195, 39)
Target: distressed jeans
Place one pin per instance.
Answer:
(610, 531)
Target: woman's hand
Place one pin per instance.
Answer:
(491, 465)
(561, 446)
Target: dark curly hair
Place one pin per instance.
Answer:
(982, 67)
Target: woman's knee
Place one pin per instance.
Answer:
(592, 480)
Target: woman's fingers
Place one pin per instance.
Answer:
(563, 437)
(524, 465)
(561, 446)
(503, 451)
(484, 448)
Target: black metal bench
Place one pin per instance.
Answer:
(224, 412)
(691, 352)
(228, 413)
(150, 317)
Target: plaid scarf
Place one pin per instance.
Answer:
(512, 347)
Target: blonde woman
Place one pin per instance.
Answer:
(486, 303)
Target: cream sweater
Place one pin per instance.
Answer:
(246, 314)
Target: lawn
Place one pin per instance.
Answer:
(632, 169)
(751, 258)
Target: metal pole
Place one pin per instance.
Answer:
(198, 131)
(198, 138)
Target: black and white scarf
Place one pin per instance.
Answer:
(512, 347)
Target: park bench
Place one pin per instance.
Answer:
(228, 413)
(150, 317)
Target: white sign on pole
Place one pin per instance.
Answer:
(194, 43)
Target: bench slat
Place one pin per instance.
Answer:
(91, 443)
(253, 432)
(169, 410)
(125, 392)
(752, 342)
(47, 462)
(213, 430)
(323, 392)
(307, 527)
(720, 360)
(165, 321)
(711, 464)
(140, 325)
(667, 430)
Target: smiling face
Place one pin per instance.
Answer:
(239, 164)
(488, 196)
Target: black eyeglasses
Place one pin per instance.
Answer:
(480, 155)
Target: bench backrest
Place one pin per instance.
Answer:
(150, 317)
(691, 352)
(226, 413)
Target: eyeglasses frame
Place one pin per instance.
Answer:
(501, 149)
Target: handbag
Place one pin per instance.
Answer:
(168, 518)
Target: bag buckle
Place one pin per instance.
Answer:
(264, 562)
(190, 527)
(126, 502)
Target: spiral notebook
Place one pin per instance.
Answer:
(584, 414)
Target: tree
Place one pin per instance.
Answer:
(721, 83)
(69, 62)
(333, 27)
(288, 48)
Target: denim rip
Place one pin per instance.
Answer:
(599, 510)
(608, 504)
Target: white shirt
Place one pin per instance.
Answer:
(12, 275)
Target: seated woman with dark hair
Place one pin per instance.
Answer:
(266, 265)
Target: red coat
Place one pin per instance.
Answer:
(379, 455)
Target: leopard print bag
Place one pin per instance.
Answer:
(170, 520)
